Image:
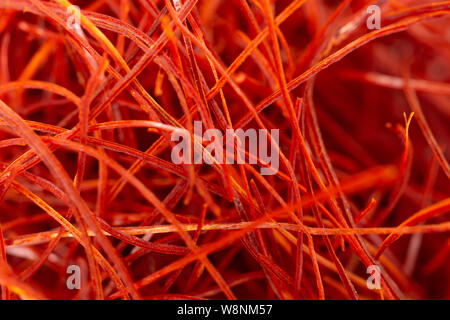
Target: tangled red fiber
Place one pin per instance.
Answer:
(87, 180)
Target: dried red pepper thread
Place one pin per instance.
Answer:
(86, 115)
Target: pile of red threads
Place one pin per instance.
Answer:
(92, 205)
